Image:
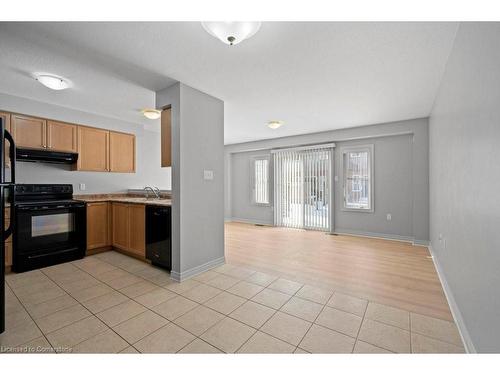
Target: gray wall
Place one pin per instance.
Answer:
(393, 190)
(198, 204)
(148, 153)
(401, 178)
(465, 181)
(241, 190)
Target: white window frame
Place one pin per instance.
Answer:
(371, 155)
(252, 179)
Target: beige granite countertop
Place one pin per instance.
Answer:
(123, 199)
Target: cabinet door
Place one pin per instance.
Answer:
(97, 225)
(61, 136)
(137, 229)
(6, 120)
(166, 138)
(121, 152)
(8, 254)
(93, 146)
(120, 226)
(29, 132)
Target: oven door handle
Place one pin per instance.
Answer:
(46, 208)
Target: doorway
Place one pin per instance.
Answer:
(302, 187)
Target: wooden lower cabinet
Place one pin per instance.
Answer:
(8, 254)
(120, 225)
(137, 229)
(98, 225)
(129, 228)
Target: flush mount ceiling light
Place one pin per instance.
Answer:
(52, 82)
(152, 114)
(231, 32)
(274, 124)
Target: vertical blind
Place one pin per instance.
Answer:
(302, 181)
(261, 181)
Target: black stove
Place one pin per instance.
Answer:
(50, 226)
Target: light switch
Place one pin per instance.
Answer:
(82, 186)
(208, 175)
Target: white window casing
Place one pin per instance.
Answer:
(260, 180)
(357, 169)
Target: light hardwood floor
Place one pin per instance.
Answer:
(389, 272)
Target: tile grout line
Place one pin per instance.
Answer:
(278, 310)
(33, 320)
(81, 304)
(170, 321)
(202, 304)
(322, 309)
(92, 314)
(360, 326)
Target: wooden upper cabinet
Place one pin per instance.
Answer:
(99, 150)
(120, 225)
(93, 149)
(137, 229)
(30, 132)
(61, 136)
(121, 152)
(166, 137)
(98, 225)
(6, 120)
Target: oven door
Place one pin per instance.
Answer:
(45, 234)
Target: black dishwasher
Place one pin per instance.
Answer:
(159, 235)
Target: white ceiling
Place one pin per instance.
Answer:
(313, 76)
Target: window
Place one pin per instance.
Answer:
(358, 178)
(261, 180)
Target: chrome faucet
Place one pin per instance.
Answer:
(155, 191)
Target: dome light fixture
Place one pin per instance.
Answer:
(52, 82)
(231, 32)
(152, 114)
(274, 124)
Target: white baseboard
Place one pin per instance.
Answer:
(384, 236)
(182, 276)
(424, 243)
(249, 221)
(455, 311)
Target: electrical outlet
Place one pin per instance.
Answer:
(389, 217)
(82, 187)
(208, 175)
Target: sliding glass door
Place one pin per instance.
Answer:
(302, 185)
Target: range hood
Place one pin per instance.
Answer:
(42, 156)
